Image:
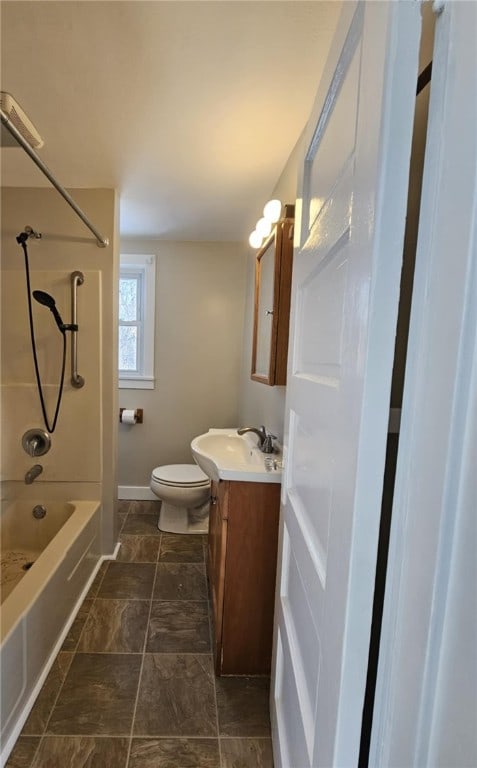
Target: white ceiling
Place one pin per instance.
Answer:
(189, 109)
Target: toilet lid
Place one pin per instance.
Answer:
(180, 474)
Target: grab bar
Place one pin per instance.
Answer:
(77, 278)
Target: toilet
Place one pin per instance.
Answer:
(185, 493)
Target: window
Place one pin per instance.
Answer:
(137, 283)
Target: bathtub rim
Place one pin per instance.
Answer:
(25, 593)
(7, 747)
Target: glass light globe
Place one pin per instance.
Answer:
(255, 239)
(264, 227)
(272, 210)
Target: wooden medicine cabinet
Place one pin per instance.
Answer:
(273, 270)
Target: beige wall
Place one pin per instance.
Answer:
(204, 320)
(259, 403)
(84, 444)
(198, 349)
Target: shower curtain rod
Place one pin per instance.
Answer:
(101, 241)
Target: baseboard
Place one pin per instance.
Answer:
(136, 493)
(114, 555)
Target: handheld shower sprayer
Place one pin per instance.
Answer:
(48, 301)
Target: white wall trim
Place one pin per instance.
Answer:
(141, 382)
(114, 555)
(141, 267)
(136, 493)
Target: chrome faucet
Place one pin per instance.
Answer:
(265, 438)
(33, 473)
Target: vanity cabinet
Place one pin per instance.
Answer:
(241, 567)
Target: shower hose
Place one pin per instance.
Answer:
(49, 427)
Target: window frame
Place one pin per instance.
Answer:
(143, 268)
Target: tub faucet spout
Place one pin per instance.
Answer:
(33, 473)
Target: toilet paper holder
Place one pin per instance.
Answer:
(138, 415)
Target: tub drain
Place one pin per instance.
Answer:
(27, 566)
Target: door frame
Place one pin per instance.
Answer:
(436, 459)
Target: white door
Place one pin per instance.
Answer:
(426, 694)
(349, 241)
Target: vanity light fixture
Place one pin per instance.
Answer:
(255, 239)
(271, 214)
(264, 227)
(273, 210)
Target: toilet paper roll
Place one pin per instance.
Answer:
(128, 416)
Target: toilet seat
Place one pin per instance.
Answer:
(180, 475)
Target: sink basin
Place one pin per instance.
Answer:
(225, 455)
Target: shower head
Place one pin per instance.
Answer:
(13, 114)
(44, 298)
(48, 301)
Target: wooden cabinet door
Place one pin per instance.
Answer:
(253, 511)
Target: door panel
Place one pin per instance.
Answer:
(345, 293)
(290, 717)
(334, 141)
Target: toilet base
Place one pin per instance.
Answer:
(181, 520)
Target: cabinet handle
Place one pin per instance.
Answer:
(269, 311)
(213, 499)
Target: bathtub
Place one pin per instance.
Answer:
(61, 553)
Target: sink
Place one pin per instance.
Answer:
(225, 455)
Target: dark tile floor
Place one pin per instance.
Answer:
(133, 685)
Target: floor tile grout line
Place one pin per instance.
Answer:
(76, 651)
(143, 736)
(140, 653)
(60, 688)
(209, 611)
(86, 735)
(73, 652)
(133, 720)
(35, 752)
(139, 736)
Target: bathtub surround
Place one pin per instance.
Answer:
(81, 463)
(83, 450)
(80, 410)
(143, 637)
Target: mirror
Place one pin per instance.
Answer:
(264, 318)
(273, 268)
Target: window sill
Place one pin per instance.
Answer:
(137, 383)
